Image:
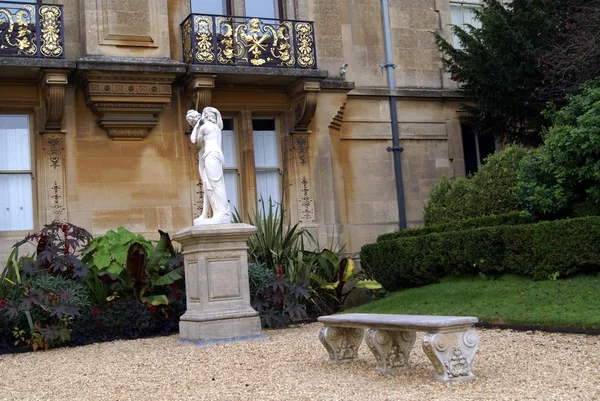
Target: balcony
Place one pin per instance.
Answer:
(248, 42)
(31, 30)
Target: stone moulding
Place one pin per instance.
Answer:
(127, 103)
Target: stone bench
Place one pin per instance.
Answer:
(450, 342)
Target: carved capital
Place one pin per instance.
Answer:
(198, 89)
(303, 97)
(53, 85)
(127, 103)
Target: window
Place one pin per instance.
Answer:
(461, 14)
(16, 187)
(230, 169)
(476, 148)
(218, 7)
(266, 159)
(263, 8)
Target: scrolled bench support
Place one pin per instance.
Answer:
(391, 348)
(451, 354)
(341, 343)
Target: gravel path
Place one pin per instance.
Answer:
(292, 365)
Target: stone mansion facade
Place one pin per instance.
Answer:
(95, 92)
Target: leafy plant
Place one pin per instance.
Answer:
(58, 250)
(50, 304)
(276, 244)
(279, 302)
(127, 263)
(335, 272)
(258, 274)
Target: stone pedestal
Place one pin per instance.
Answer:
(216, 279)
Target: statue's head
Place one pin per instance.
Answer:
(192, 117)
(213, 115)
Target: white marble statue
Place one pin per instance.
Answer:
(208, 138)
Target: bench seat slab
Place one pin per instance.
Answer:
(391, 348)
(451, 354)
(341, 343)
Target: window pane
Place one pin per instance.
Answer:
(14, 143)
(218, 7)
(231, 186)
(266, 152)
(16, 202)
(267, 186)
(262, 8)
(229, 148)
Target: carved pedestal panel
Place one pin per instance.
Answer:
(391, 348)
(341, 343)
(451, 354)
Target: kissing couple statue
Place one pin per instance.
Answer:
(207, 136)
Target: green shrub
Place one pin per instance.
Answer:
(566, 169)
(448, 201)
(258, 274)
(490, 191)
(562, 247)
(512, 218)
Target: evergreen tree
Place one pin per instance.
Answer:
(512, 65)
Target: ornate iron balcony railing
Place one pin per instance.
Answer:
(31, 30)
(246, 41)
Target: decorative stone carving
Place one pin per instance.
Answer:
(301, 145)
(127, 103)
(53, 145)
(451, 354)
(391, 348)
(341, 343)
(306, 204)
(304, 104)
(56, 207)
(53, 93)
(198, 89)
(208, 137)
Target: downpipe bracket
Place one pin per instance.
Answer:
(387, 65)
(395, 149)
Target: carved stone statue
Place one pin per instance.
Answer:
(208, 138)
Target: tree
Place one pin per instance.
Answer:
(525, 54)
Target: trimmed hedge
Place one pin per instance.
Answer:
(512, 218)
(537, 250)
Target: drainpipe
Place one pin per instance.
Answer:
(396, 148)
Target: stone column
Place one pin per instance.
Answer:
(216, 278)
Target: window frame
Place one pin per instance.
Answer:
(4, 234)
(463, 6)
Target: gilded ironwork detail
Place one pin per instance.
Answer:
(15, 32)
(204, 39)
(187, 40)
(226, 45)
(304, 37)
(253, 41)
(50, 27)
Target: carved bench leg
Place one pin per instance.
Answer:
(451, 354)
(341, 343)
(391, 348)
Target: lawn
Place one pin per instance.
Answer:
(509, 299)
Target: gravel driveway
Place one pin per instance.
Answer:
(292, 365)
